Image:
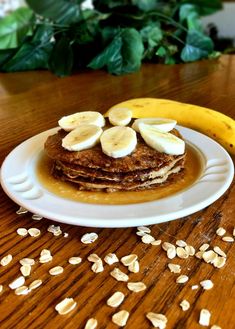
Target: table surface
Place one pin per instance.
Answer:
(31, 102)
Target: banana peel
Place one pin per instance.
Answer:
(214, 124)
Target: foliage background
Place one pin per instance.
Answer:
(116, 35)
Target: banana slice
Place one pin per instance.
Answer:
(81, 138)
(120, 116)
(160, 141)
(118, 141)
(161, 124)
(72, 121)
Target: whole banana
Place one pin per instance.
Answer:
(212, 123)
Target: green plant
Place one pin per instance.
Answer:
(117, 35)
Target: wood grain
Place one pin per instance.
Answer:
(31, 102)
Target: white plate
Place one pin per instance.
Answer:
(20, 183)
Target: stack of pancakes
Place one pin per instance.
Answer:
(93, 170)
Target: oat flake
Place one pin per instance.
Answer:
(21, 211)
(35, 284)
(204, 319)
(27, 261)
(91, 324)
(182, 279)
(144, 229)
(158, 320)
(25, 270)
(156, 242)
(134, 267)
(56, 270)
(219, 251)
(207, 284)
(136, 286)
(181, 243)
(116, 299)
(220, 231)
(34, 232)
(22, 231)
(119, 275)
(36, 217)
(228, 239)
(204, 247)
(17, 282)
(120, 318)
(182, 253)
(97, 267)
(1, 288)
(167, 245)
(75, 260)
(147, 239)
(65, 306)
(23, 290)
(111, 259)
(89, 238)
(174, 268)
(6, 260)
(93, 258)
(129, 259)
(185, 305)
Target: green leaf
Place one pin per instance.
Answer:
(151, 34)
(197, 46)
(122, 55)
(14, 27)
(5, 55)
(189, 14)
(145, 5)
(205, 7)
(60, 11)
(33, 54)
(61, 60)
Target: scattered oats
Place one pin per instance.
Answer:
(220, 231)
(22, 231)
(134, 267)
(45, 252)
(116, 299)
(6, 260)
(207, 284)
(157, 320)
(129, 259)
(195, 286)
(181, 252)
(181, 243)
(228, 238)
(120, 318)
(136, 286)
(209, 256)
(111, 259)
(147, 238)
(174, 268)
(66, 306)
(66, 234)
(97, 267)
(23, 290)
(204, 247)
(75, 260)
(37, 217)
(17, 282)
(1, 288)
(185, 305)
(144, 229)
(27, 261)
(45, 258)
(219, 262)
(119, 275)
(89, 238)
(25, 270)
(182, 279)
(190, 250)
(93, 258)
(204, 319)
(219, 251)
(55, 230)
(35, 284)
(21, 211)
(34, 232)
(199, 254)
(156, 242)
(215, 327)
(56, 270)
(91, 324)
(167, 245)
(171, 252)
(139, 233)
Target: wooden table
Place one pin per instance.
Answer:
(31, 102)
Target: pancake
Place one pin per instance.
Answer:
(91, 169)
